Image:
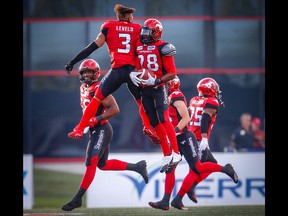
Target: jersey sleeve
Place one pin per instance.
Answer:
(212, 102)
(177, 95)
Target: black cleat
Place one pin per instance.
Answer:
(191, 195)
(160, 205)
(72, 205)
(229, 170)
(141, 169)
(176, 203)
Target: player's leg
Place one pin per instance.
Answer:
(115, 164)
(160, 100)
(188, 180)
(147, 128)
(149, 106)
(119, 165)
(168, 188)
(91, 165)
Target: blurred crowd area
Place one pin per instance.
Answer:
(223, 39)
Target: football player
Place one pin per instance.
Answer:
(158, 56)
(203, 110)
(120, 36)
(188, 147)
(100, 134)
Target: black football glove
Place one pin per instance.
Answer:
(68, 67)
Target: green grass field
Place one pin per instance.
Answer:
(53, 189)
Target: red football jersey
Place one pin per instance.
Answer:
(149, 57)
(121, 37)
(196, 107)
(173, 113)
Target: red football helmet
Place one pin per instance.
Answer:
(151, 31)
(173, 85)
(92, 65)
(209, 87)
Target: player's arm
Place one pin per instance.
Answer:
(112, 110)
(98, 42)
(183, 112)
(167, 52)
(205, 124)
(206, 120)
(112, 107)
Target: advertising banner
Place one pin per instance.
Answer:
(28, 192)
(128, 189)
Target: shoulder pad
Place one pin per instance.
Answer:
(168, 50)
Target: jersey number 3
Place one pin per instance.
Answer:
(125, 42)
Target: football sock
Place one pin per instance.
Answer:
(80, 194)
(143, 115)
(188, 181)
(169, 181)
(161, 133)
(166, 197)
(170, 131)
(201, 177)
(89, 173)
(114, 164)
(194, 184)
(208, 167)
(89, 112)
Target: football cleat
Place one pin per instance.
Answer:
(141, 169)
(176, 203)
(159, 205)
(191, 195)
(152, 135)
(72, 205)
(76, 134)
(229, 170)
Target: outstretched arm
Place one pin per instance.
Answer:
(99, 41)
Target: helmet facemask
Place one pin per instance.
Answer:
(92, 66)
(151, 31)
(146, 35)
(219, 97)
(89, 78)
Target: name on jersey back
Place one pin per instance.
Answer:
(124, 28)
